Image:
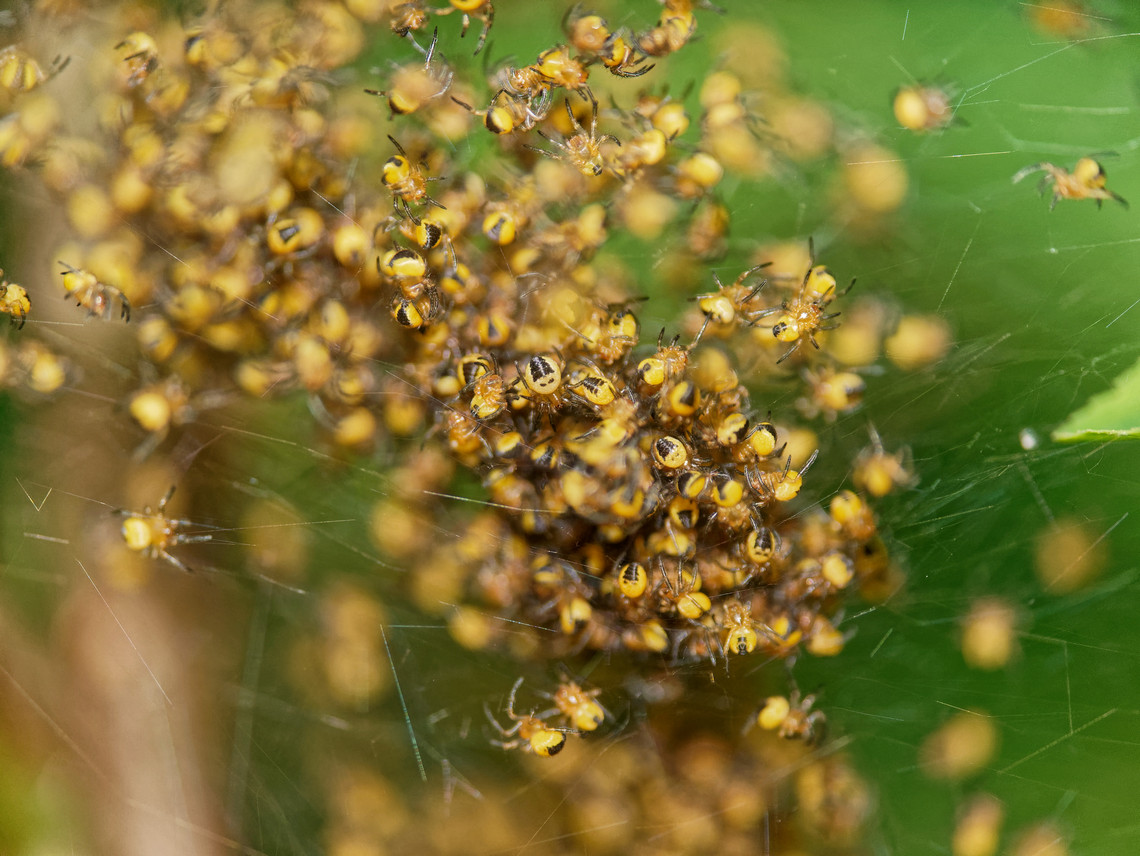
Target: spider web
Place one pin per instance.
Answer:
(1043, 311)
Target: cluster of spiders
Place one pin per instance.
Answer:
(306, 241)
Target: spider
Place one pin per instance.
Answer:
(414, 85)
(879, 472)
(582, 151)
(923, 109)
(20, 73)
(591, 35)
(529, 733)
(740, 628)
(94, 296)
(729, 302)
(803, 316)
(578, 705)
(793, 718)
(140, 56)
(1086, 181)
(14, 301)
(783, 486)
(482, 10)
(509, 112)
(667, 363)
(407, 16)
(152, 533)
(683, 598)
(406, 181)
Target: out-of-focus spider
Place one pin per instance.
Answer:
(94, 296)
(879, 472)
(14, 301)
(582, 150)
(1086, 181)
(19, 71)
(414, 85)
(793, 718)
(480, 10)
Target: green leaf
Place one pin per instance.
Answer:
(1109, 416)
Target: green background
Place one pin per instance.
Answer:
(1040, 302)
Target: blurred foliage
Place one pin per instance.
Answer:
(1110, 415)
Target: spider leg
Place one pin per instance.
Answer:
(487, 21)
(1100, 194)
(498, 727)
(541, 107)
(633, 72)
(189, 539)
(808, 462)
(57, 65)
(763, 313)
(701, 332)
(462, 104)
(790, 351)
(511, 701)
(740, 279)
(174, 560)
(574, 119)
(431, 48)
(399, 148)
(1029, 170)
(162, 502)
(539, 151)
(772, 635)
(446, 84)
(817, 728)
(572, 12)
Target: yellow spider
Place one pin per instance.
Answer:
(1086, 181)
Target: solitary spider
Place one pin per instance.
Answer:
(793, 718)
(14, 301)
(1086, 181)
(94, 296)
(152, 533)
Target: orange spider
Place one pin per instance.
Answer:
(1086, 181)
